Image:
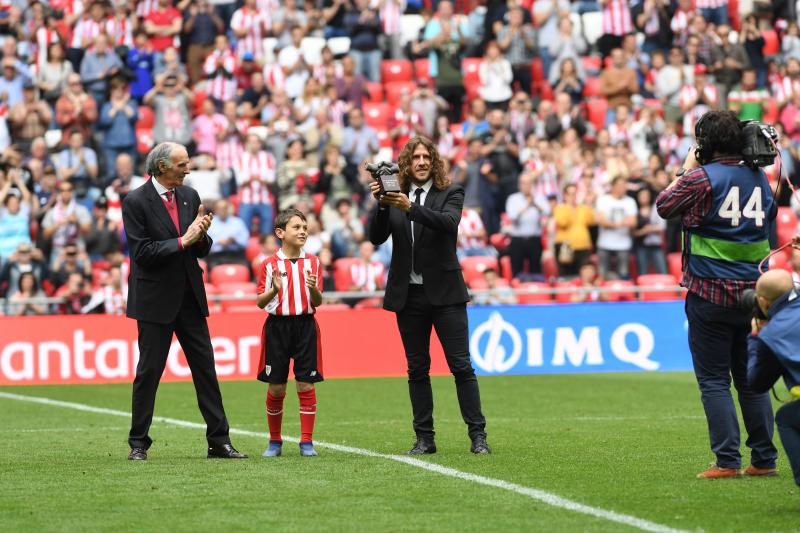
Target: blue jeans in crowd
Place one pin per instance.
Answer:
(715, 15)
(788, 421)
(650, 255)
(718, 342)
(247, 212)
(368, 64)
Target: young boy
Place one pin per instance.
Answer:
(290, 289)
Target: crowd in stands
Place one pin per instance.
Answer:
(561, 119)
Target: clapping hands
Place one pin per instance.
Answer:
(198, 228)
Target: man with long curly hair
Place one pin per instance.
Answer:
(426, 288)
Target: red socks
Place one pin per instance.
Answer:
(308, 411)
(275, 416)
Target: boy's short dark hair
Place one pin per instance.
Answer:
(286, 215)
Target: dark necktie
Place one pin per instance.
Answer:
(172, 209)
(417, 229)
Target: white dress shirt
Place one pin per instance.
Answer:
(416, 279)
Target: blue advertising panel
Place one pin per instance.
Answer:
(568, 338)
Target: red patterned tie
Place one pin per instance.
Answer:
(172, 209)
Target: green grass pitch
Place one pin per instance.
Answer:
(629, 443)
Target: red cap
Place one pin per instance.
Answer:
(700, 69)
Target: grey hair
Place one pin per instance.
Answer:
(162, 153)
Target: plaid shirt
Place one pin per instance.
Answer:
(690, 197)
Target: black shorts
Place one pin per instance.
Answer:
(290, 337)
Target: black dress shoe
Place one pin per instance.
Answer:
(226, 451)
(479, 445)
(422, 446)
(138, 454)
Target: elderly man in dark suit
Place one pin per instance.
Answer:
(166, 229)
(426, 288)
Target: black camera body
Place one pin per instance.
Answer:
(759, 143)
(749, 302)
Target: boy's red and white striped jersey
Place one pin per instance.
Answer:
(294, 297)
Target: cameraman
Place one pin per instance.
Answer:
(774, 351)
(726, 209)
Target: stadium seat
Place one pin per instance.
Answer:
(410, 26)
(318, 200)
(733, 14)
(395, 89)
(674, 264)
(199, 98)
(342, 279)
(396, 70)
(204, 268)
(229, 273)
(544, 91)
(540, 294)
(771, 43)
(537, 70)
(474, 266)
(253, 249)
(144, 140)
(787, 225)
(505, 268)
(549, 267)
(422, 70)
(779, 261)
(471, 66)
(339, 45)
(592, 24)
(384, 140)
(619, 290)
(245, 291)
(376, 115)
(591, 87)
(312, 49)
(592, 65)
(146, 117)
(596, 109)
(214, 306)
(500, 241)
(658, 281)
(567, 289)
(375, 91)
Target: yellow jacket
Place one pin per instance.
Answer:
(572, 225)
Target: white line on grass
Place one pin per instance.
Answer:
(536, 494)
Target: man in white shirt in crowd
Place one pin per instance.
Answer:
(526, 211)
(230, 237)
(616, 217)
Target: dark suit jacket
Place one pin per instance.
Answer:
(159, 268)
(435, 249)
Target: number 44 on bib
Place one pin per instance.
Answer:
(752, 209)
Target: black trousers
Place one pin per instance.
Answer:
(415, 322)
(522, 248)
(718, 341)
(154, 341)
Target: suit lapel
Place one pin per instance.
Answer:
(429, 201)
(184, 209)
(160, 209)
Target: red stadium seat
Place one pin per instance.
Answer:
(596, 111)
(541, 294)
(253, 249)
(658, 281)
(474, 266)
(230, 273)
(674, 265)
(566, 295)
(199, 98)
(733, 14)
(375, 91)
(342, 279)
(384, 139)
(591, 87)
(470, 66)
(376, 115)
(592, 65)
(146, 117)
(787, 225)
(396, 70)
(144, 140)
(500, 241)
(395, 89)
(422, 70)
(545, 91)
(620, 290)
(204, 268)
(549, 267)
(319, 200)
(245, 291)
(213, 305)
(771, 43)
(779, 261)
(772, 112)
(537, 70)
(505, 268)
